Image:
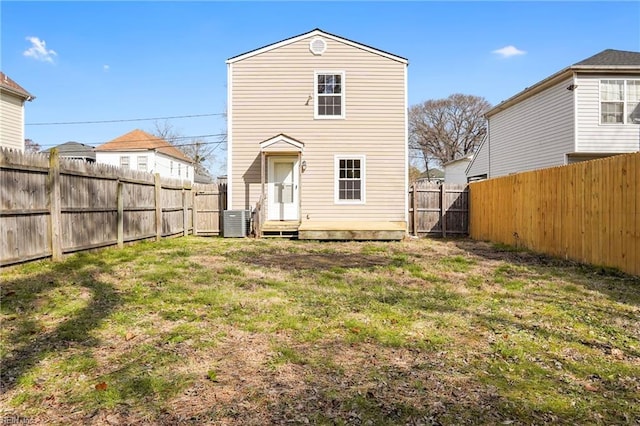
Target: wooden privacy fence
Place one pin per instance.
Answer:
(588, 212)
(51, 206)
(438, 210)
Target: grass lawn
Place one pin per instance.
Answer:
(220, 331)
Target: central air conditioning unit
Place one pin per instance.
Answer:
(235, 223)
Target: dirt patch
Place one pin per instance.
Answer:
(316, 261)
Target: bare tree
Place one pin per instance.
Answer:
(31, 146)
(201, 152)
(447, 129)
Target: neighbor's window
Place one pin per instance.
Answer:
(349, 180)
(179, 171)
(329, 94)
(619, 101)
(124, 161)
(142, 163)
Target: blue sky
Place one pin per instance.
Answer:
(94, 61)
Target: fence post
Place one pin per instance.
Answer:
(414, 200)
(120, 214)
(443, 214)
(158, 207)
(55, 213)
(185, 221)
(194, 210)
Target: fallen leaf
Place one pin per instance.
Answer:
(129, 336)
(102, 386)
(590, 387)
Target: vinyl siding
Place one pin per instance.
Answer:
(156, 163)
(455, 172)
(532, 134)
(593, 136)
(269, 97)
(11, 121)
(480, 163)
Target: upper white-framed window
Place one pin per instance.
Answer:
(179, 170)
(620, 101)
(329, 94)
(142, 163)
(349, 179)
(124, 161)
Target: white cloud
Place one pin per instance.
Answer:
(39, 51)
(509, 51)
(105, 68)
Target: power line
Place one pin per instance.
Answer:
(214, 135)
(124, 120)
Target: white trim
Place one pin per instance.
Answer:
(406, 145)
(281, 138)
(295, 176)
(625, 96)
(312, 34)
(363, 178)
(476, 153)
(574, 82)
(343, 94)
(229, 136)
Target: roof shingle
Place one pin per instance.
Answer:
(12, 86)
(137, 140)
(612, 57)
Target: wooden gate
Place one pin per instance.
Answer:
(209, 201)
(438, 210)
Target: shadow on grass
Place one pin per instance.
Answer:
(614, 284)
(29, 341)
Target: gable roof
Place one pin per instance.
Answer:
(281, 141)
(316, 32)
(11, 86)
(608, 60)
(138, 140)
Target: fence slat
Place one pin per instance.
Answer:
(50, 206)
(588, 212)
(54, 204)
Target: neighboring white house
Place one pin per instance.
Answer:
(139, 150)
(455, 170)
(588, 110)
(317, 136)
(12, 99)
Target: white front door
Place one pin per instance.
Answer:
(283, 188)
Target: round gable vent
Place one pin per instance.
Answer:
(317, 46)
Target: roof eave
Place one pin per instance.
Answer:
(312, 33)
(530, 91)
(23, 95)
(555, 78)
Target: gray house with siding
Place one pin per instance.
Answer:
(586, 111)
(317, 138)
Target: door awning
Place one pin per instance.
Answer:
(281, 143)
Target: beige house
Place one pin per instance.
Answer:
(317, 138)
(12, 99)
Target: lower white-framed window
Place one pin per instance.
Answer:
(142, 163)
(124, 161)
(350, 179)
